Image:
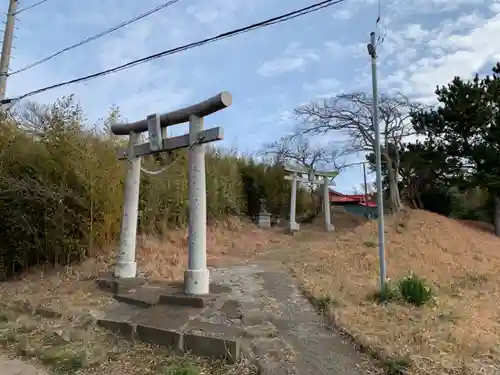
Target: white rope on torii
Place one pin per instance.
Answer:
(295, 176)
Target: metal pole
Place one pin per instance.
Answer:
(126, 266)
(366, 190)
(380, 203)
(7, 47)
(293, 200)
(326, 205)
(196, 277)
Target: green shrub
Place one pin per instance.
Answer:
(414, 290)
(396, 366)
(410, 289)
(323, 303)
(372, 244)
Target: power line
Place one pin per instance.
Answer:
(97, 36)
(234, 32)
(31, 6)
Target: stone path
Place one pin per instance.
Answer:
(303, 344)
(261, 313)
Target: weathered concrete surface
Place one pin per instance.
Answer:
(175, 296)
(260, 312)
(109, 283)
(301, 342)
(10, 366)
(169, 293)
(175, 326)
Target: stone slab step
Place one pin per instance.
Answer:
(168, 293)
(178, 328)
(108, 283)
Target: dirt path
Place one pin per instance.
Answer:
(10, 366)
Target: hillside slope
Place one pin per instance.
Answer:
(461, 263)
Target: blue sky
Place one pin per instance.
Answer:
(268, 72)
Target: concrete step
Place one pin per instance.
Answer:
(178, 328)
(167, 293)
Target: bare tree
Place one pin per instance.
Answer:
(352, 115)
(298, 150)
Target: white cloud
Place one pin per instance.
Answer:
(415, 33)
(420, 7)
(467, 54)
(323, 86)
(340, 51)
(333, 47)
(217, 12)
(204, 14)
(343, 14)
(282, 65)
(421, 59)
(495, 7)
(294, 58)
(390, 9)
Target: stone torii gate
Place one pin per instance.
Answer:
(311, 179)
(196, 276)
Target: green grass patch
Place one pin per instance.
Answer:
(410, 289)
(323, 303)
(414, 290)
(397, 366)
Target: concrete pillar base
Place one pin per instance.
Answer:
(197, 282)
(125, 270)
(293, 227)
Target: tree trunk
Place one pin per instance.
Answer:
(316, 202)
(420, 203)
(496, 219)
(413, 202)
(397, 193)
(394, 196)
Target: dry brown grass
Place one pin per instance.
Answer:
(72, 290)
(78, 346)
(458, 333)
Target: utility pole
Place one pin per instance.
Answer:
(372, 51)
(7, 47)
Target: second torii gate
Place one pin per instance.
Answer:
(312, 174)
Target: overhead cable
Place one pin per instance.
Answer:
(271, 21)
(31, 6)
(97, 36)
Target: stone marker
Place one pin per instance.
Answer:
(264, 217)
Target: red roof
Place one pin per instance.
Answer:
(337, 197)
